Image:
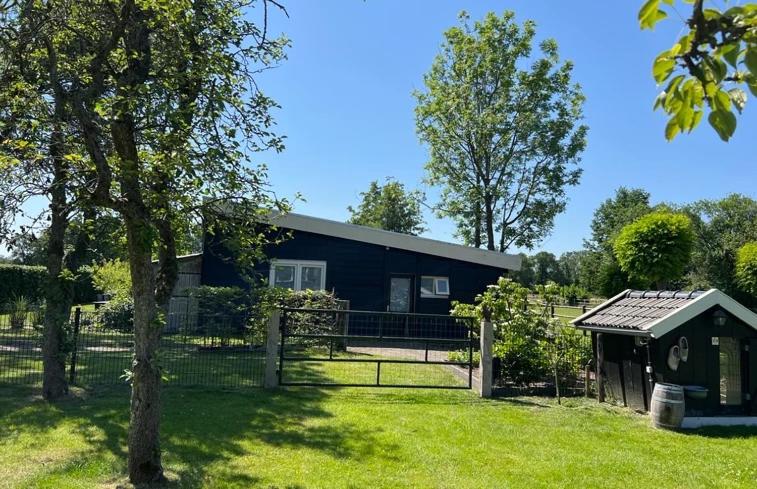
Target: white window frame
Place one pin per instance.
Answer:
(297, 264)
(435, 294)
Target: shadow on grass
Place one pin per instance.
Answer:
(202, 428)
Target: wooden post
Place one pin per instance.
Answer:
(587, 379)
(272, 350)
(600, 368)
(485, 367)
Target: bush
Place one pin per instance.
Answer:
(656, 247)
(222, 311)
(21, 280)
(527, 341)
(573, 293)
(112, 277)
(117, 314)
(519, 332)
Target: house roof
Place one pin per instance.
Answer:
(655, 313)
(299, 222)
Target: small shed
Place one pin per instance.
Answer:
(702, 340)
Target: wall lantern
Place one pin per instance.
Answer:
(719, 318)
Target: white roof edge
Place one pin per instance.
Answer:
(712, 297)
(317, 225)
(603, 305)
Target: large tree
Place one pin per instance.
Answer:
(721, 228)
(600, 271)
(503, 129)
(707, 66)
(164, 101)
(390, 207)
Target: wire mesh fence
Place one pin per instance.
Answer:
(194, 350)
(376, 349)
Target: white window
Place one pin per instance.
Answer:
(298, 274)
(435, 287)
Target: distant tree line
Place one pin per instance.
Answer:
(723, 233)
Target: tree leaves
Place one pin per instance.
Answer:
(724, 122)
(650, 14)
(710, 55)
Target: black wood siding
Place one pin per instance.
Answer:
(624, 364)
(359, 272)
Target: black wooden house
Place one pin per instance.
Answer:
(373, 269)
(704, 341)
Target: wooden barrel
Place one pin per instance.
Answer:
(667, 406)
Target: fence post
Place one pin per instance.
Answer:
(75, 347)
(272, 350)
(485, 365)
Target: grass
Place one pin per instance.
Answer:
(309, 437)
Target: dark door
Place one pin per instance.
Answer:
(733, 380)
(400, 293)
(400, 300)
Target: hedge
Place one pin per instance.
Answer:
(21, 280)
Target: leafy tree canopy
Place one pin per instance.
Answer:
(390, 207)
(707, 66)
(503, 129)
(656, 247)
(721, 228)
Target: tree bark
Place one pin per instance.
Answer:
(144, 462)
(489, 221)
(59, 291)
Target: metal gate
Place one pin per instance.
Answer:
(375, 349)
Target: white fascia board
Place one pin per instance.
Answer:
(316, 225)
(711, 298)
(603, 305)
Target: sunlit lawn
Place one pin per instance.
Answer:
(311, 437)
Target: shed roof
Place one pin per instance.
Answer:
(655, 313)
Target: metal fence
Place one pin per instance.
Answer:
(375, 349)
(194, 350)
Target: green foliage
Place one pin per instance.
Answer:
(599, 271)
(112, 277)
(21, 280)
(117, 314)
(721, 228)
(486, 87)
(519, 332)
(718, 50)
(572, 293)
(221, 301)
(390, 207)
(746, 268)
(18, 312)
(656, 247)
(612, 215)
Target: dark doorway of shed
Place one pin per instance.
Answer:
(733, 360)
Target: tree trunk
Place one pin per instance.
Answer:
(144, 442)
(59, 290)
(489, 221)
(477, 217)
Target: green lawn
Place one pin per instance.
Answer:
(308, 437)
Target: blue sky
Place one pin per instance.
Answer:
(347, 109)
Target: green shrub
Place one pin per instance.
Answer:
(19, 311)
(21, 280)
(112, 277)
(527, 341)
(746, 268)
(117, 314)
(656, 247)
